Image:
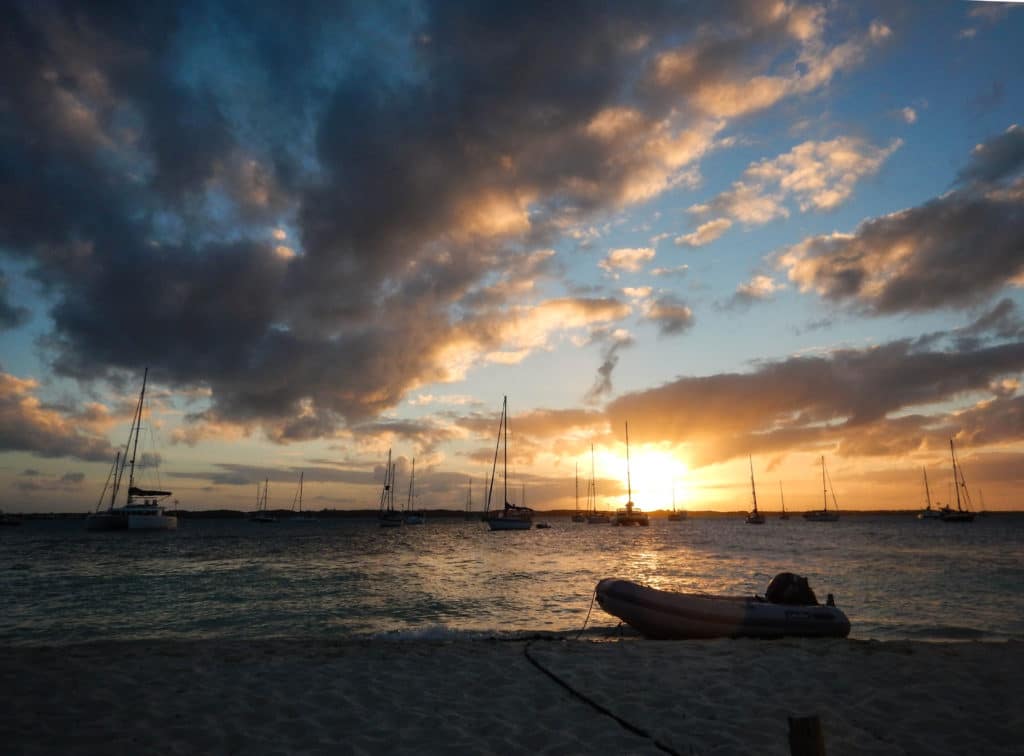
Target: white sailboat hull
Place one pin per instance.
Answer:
(152, 522)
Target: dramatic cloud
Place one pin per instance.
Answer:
(11, 316)
(953, 251)
(626, 260)
(671, 315)
(857, 399)
(817, 175)
(273, 217)
(705, 233)
(27, 425)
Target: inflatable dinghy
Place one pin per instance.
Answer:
(668, 615)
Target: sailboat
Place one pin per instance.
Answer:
(677, 515)
(785, 514)
(262, 514)
(824, 514)
(469, 501)
(300, 515)
(629, 515)
(593, 516)
(387, 517)
(578, 516)
(755, 517)
(961, 513)
(928, 513)
(509, 517)
(141, 510)
(412, 517)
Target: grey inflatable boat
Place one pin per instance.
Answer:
(669, 615)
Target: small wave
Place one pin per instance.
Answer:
(943, 632)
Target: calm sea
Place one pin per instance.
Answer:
(338, 578)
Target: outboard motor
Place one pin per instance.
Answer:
(787, 588)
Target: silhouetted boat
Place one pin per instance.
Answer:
(9, 521)
(824, 514)
(928, 513)
(594, 517)
(510, 516)
(668, 615)
(629, 515)
(300, 515)
(412, 517)
(141, 510)
(676, 515)
(387, 517)
(755, 517)
(961, 513)
(262, 514)
(578, 516)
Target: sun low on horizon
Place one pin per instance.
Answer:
(783, 241)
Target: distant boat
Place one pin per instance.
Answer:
(928, 513)
(141, 510)
(784, 515)
(593, 516)
(824, 514)
(578, 516)
(755, 517)
(676, 515)
(510, 516)
(301, 515)
(961, 513)
(8, 520)
(387, 517)
(629, 515)
(262, 514)
(412, 517)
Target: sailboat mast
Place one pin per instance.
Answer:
(577, 488)
(137, 423)
(927, 493)
(504, 474)
(782, 498)
(956, 480)
(824, 488)
(300, 489)
(113, 492)
(593, 478)
(412, 482)
(629, 483)
(753, 490)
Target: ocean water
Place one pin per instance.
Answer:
(895, 577)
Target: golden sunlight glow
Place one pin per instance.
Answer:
(653, 471)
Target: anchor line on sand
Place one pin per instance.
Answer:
(625, 724)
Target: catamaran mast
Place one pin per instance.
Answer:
(782, 498)
(137, 424)
(504, 419)
(577, 488)
(412, 481)
(927, 493)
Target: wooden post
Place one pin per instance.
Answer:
(805, 736)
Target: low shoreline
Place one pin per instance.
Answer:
(485, 696)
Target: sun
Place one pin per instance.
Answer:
(653, 473)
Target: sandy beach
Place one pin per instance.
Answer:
(486, 697)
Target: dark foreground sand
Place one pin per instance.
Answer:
(485, 697)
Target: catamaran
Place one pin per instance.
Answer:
(824, 514)
(141, 510)
(629, 515)
(961, 513)
(755, 517)
(511, 516)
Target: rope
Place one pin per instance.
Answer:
(587, 618)
(595, 705)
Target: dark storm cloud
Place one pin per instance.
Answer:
(304, 210)
(11, 316)
(847, 397)
(953, 251)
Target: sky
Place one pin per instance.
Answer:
(761, 233)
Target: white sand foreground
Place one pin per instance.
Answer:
(485, 697)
